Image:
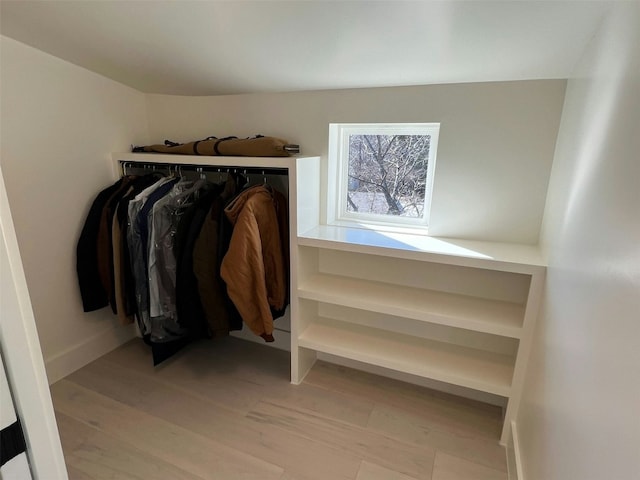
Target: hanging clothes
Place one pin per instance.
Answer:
(92, 291)
(162, 259)
(191, 315)
(123, 300)
(254, 267)
(209, 249)
(105, 239)
(155, 249)
(138, 238)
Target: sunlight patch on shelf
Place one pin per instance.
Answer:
(429, 244)
(370, 236)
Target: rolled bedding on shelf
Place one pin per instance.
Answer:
(258, 146)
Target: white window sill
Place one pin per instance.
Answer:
(381, 227)
(492, 255)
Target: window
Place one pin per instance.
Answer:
(381, 174)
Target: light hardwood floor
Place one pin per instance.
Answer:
(225, 409)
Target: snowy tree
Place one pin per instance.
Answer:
(392, 167)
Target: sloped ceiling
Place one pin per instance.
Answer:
(214, 48)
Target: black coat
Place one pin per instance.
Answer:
(93, 293)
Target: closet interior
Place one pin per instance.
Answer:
(451, 311)
(202, 274)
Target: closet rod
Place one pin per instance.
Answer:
(127, 164)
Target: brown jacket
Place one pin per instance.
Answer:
(254, 267)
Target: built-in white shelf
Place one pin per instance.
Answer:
(479, 314)
(208, 161)
(488, 255)
(455, 311)
(472, 368)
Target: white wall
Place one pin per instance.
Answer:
(20, 352)
(59, 125)
(495, 148)
(580, 416)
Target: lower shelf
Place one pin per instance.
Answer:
(467, 367)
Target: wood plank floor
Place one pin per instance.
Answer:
(225, 409)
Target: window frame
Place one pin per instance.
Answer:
(337, 213)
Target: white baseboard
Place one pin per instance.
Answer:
(514, 460)
(65, 363)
